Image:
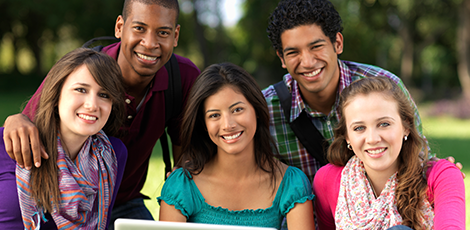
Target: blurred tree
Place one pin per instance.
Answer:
(463, 41)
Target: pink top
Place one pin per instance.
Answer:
(445, 186)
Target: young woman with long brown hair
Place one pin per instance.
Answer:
(378, 176)
(229, 174)
(82, 99)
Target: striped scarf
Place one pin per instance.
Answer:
(86, 187)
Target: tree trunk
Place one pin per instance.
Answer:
(408, 54)
(463, 40)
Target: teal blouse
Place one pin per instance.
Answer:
(182, 192)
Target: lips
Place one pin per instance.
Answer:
(145, 57)
(313, 73)
(87, 117)
(376, 151)
(228, 138)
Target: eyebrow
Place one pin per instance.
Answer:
(86, 85)
(230, 107)
(309, 44)
(379, 119)
(144, 24)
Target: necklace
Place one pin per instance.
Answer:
(372, 186)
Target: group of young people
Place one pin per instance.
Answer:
(78, 155)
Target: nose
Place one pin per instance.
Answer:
(149, 41)
(307, 59)
(228, 123)
(373, 136)
(91, 103)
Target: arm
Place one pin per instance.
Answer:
(21, 137)
(448, 190)
(170, 213)
(301, 216)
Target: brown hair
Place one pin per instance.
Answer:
(106, 72)
(198, 148)
(412, 186)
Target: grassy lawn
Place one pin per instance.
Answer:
(447, 137)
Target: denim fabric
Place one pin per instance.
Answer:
(400, 227)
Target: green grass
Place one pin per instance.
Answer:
(447, 137)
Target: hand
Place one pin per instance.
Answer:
(451, 160)
(21, 137)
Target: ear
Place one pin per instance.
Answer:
(282, 59)
(339, 43)
(177, 34)
(119, 27)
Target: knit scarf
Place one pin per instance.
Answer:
(86, 187)
(358, 208)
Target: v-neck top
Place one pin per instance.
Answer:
(180, 191)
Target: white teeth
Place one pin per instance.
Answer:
(146, 57)
(312, 73)
(88, 118)
(376, 151)
(232, 137)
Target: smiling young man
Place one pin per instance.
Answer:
(148, 31)
(306, 35)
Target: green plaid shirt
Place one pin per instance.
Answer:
(291, 150)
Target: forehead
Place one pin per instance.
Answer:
(226, 95)
(303, 34)
(151, 13)
(81, 75)
(370, 107)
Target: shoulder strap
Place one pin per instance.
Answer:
(99, 47)
(173, 105)
(303, 127)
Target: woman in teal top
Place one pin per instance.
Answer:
(229, 174)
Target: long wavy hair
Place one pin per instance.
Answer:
(197, 147)
(106, 72)
(412, 160)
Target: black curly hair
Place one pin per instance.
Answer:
(292, 13)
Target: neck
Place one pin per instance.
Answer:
(321, 102)
(233, 166)
(378, 180)
(135, 84)
(72, 145)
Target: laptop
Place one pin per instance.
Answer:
(134, 224)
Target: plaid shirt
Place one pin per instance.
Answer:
(291, 150)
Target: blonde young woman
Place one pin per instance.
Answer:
(376, 178)
(81, 100)
(229, 174)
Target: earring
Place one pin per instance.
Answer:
(349, 146)
(406, 137)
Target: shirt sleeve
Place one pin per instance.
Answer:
(447, 191)
(296, 188)
(326, 189)
(179, 191)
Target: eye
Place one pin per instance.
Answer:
(80, 90)
(164, 33)
(238, 109)
(316, 46)
(138, 28)
(291, 53)
(214, 115)
(359, 128)
(384, 124)
(103, 95)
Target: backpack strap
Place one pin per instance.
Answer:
(99, 47)
(173, 105)
(303, 127)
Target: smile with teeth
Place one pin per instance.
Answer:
(86, 117)
(314, 73)
(232, 137)
(145, 57)
(377, 151)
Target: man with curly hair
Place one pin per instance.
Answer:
(306, 35)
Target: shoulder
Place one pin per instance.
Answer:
(118, 146)
(295, 179)
(360, 70)
(270, 92)
(442, 168)
(327, 177)
(187, 66)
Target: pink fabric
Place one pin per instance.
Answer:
(445, 185)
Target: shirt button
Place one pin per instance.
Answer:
(128, 101)
(328, 122)
(129, 117)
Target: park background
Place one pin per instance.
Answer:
(425, 42)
